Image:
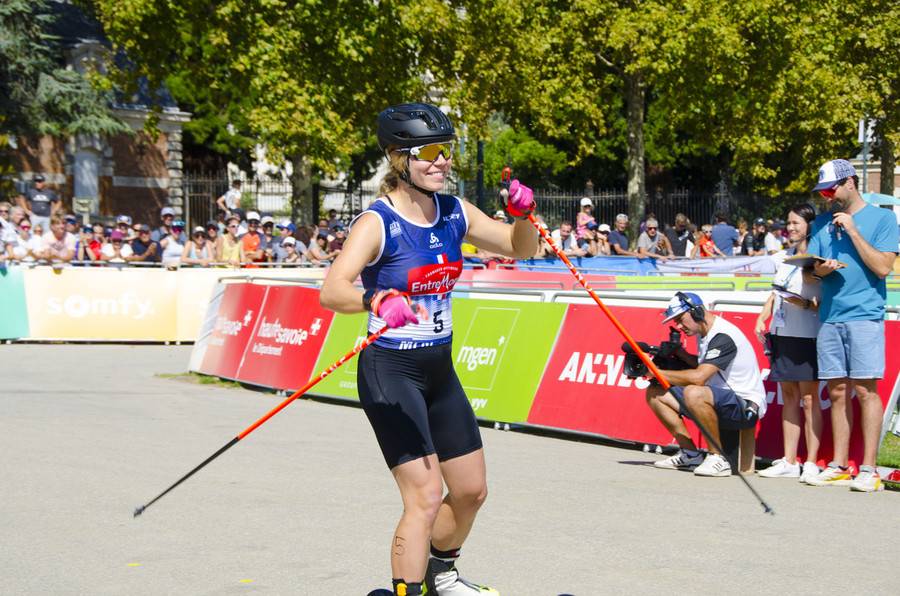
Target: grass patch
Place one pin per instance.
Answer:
(202, 379)
(889, 454)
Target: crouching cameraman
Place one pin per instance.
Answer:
(722, 386)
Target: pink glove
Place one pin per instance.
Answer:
(397, 309)
(519, 200)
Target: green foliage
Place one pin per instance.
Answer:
(39, 95)
(532, 162)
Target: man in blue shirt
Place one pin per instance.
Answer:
(859, 244)
(618, 241)
(724, 235)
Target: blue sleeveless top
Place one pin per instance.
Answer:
(424, 260)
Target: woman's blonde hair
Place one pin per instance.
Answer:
(398, 163)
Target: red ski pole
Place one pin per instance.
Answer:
(359, 348)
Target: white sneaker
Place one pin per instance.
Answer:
(442, 579)
(782, 469)
(810, 470)
(679, 461)
(713, 465)
(831, 476)
(867, 482)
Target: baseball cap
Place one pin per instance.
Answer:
(123, 219)
(776, 225)
(199, 229)
(116, 235)
(759, 221)
(167, 211)
(833, 172)
(39, 178)
(212, 224)
(286, 225)
(142, 228)
(339, 226)
(289, 240)
(677, 306)
(322, 234)
(252, 216)
(603, 228)
(587, 201)
(71, 218)
(266, 219)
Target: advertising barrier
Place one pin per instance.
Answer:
(14, 322)
(266, 335)
(115, 304)
(541, 364)
(100, 304)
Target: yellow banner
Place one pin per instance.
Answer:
(106, 303)
(101, 303)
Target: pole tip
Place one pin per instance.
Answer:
(139, 510)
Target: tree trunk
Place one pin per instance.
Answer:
(301, 192)
(634, 108)
(888, 161)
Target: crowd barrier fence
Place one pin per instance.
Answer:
(277, 337)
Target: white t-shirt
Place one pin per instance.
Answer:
(231, 198)
(773, 244)
(790, 320)
(729, 350)
(109, 252)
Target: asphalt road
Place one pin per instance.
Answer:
(305, 505)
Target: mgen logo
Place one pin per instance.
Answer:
(481, 350)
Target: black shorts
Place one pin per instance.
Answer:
(416, 404)
(793, 359)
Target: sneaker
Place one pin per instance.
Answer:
(781, 469)
(713, 465)
(679, 461)
(831, 476)
(810, 470)
(442, 579)
(867, 482)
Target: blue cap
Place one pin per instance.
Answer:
(678, 305)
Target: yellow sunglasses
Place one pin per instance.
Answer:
(432, 152)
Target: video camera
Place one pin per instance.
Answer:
(663, 357)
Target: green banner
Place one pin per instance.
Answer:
(345, 332)
(14, 322)
(500, 349)
(499, 352)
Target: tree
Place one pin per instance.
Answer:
(38, 95)
(308, 78)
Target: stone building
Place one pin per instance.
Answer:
(104, 177)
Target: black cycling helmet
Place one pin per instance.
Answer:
(413, 124)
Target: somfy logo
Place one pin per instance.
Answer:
(78, 306)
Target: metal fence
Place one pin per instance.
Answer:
(274, 196)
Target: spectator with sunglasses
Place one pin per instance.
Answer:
(230, 248)
(116, 250)
(199, 252)
(23, 246)
(653, 244)
(859, 244)
(143, 249)
(167, 215)
(406, 249)
(254, 241)
(172, 246)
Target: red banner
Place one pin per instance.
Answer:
(286, 339)
(584, 388)
(233, 328)
(267, 335)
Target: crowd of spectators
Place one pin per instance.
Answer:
(681, 239)
(235, 240)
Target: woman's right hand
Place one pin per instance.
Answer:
(397, 309)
